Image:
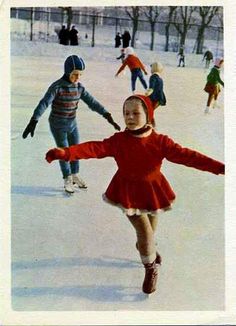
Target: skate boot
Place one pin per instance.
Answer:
(216, 105)
(158, 256)
(207, 109)
(78, 181)
(150, 279)
(68, 185)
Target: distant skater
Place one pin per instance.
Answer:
(155, 90)
(208, 57)
(64, 35)
(136, 67)
(63, 95)
(212, 86)
(138, 187)
(121, 56)
(126, 38)
(73, 34)
(181, 57)
(118, 40)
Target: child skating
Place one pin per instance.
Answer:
(121, 56)
(63, 96)
(212, 86)
(208, 57)
(181, 57)
(138, 187)
(136, 67)
(155, 90)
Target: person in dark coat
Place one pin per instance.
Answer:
(126, 39)
(117, 40)
(63, 35)
(73, 36)
(181, 57)
(208, 56)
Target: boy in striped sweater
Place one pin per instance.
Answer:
(136, 67)
(63, 95)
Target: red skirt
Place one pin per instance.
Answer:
(144, 195)
(212, 89)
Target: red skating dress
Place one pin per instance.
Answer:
(138, 185)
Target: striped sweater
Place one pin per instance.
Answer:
(64, 97)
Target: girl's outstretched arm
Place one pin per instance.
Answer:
(91, 149)
(175, 153)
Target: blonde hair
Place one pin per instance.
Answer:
(156, 67)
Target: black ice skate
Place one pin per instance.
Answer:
(150, 279)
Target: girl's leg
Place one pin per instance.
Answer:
(141, 78)
(134, 76)
(73, 139)
(145, 237)
(61, 140)
(153, 221)
(147, 252)
(210, 98)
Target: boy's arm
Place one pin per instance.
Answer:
(94, 105)
(45, 102)
(175, 153)
(39, 110)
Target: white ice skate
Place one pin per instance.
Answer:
(216, 105)
(77, 181)
(68, 185)
(207, 109)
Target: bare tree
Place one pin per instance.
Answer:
(220, 17)
(134, 14)
(152, 13)
(69, 15)
(206, 14)
(182, 20)
(167, 26)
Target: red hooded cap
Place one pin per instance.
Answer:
(148, 104)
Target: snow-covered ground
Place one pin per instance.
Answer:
(78, 253)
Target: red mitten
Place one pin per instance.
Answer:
(222, 170)
(56, 154)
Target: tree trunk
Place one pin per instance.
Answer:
(182, 38)
(93, 31)
(135, 28)
(152, 36)
(200, 40)
(32, 13)
(69, 17)
(167, 28)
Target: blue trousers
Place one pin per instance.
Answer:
(64, 139)
(137, 73)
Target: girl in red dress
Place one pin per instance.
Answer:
(138, 186)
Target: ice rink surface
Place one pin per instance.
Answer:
(78, 253)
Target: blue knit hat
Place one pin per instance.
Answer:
(73, 62)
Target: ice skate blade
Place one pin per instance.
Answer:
(80, 188)
(69, 193)
(148, 295)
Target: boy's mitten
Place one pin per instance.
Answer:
(57, 154)
(109, 118)
(30, 128)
